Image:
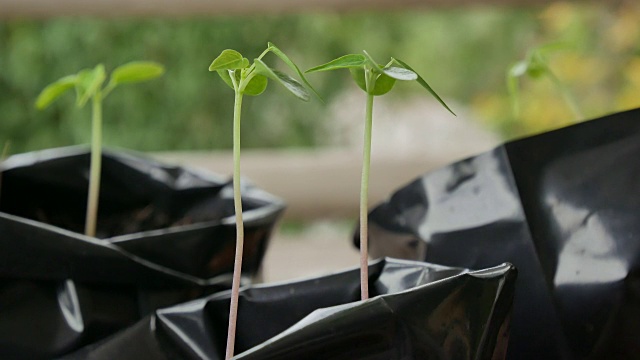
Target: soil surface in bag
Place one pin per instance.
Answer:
(417, 311)
(564, 207)
(166, 234)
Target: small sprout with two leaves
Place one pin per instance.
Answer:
(88, 84)
(252, 79)
(249, 79)
(375, 80)
(536, 66)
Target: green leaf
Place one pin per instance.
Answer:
(518, 69)
(343, 62)
(552, 47)
(383, 84)
(293, 67)
(229, 60)
(358, 76)
(88, 83)
(399, 73)
(53, 91)
(287, 81)
(136, 71)
(536, 67)
(424, 84)
(256, 85)
(224, 75)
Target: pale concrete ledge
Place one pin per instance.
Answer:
(176, 8)
(318, 183)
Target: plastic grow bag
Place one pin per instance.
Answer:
(417, 311)
(166, 235)
(564, 207)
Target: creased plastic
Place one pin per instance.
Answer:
(166, 235)
(417, 311)
(564, 207)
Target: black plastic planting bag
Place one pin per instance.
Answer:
(166, 235)
(423, 311)
(564, 208)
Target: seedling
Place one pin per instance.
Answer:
(249, 79)
(375, 80)
(536, 66)
(88, 84)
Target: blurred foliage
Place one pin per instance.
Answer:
(601, 68)
(462, 53)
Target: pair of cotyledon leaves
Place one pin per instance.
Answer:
(231, 63)
(534, 66)
(253, 79)
(88, 82)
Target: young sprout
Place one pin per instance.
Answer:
(536, 66)
(88, 84)
(249, 79)
(375, 80)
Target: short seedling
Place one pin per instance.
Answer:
(88, 85)
(536, 66)
(375, 80)
(249, 79)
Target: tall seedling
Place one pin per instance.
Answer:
(245, 78)
(375, 80)
(88, 84)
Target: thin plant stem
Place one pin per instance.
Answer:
(3, 157)
(364, 193)
(237, 202)
(96, 165)
(567, 95)
(5, 150)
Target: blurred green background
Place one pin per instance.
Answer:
(463, 53)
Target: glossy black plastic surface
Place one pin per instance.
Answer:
(60, 290)
(564, 207)
(423, 311)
